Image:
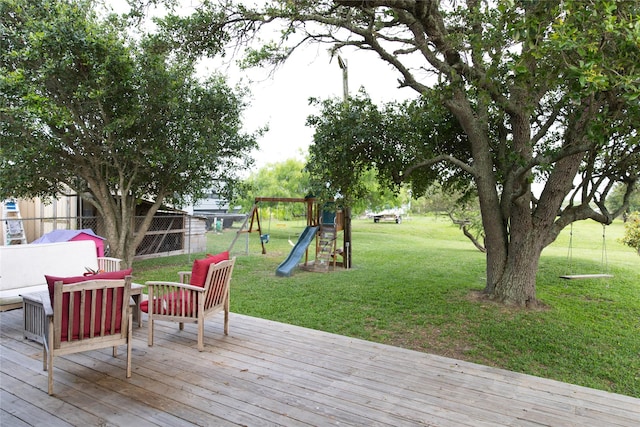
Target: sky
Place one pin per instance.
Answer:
(279, 98)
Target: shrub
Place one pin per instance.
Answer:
(631, 236)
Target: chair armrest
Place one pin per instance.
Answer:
(177, 285)
(46, 305)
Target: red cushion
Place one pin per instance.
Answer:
(222, 256)
(201, 267)
(113, 275)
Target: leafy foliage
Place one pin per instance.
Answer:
(631, 236)
(356, 137)
(116, 121)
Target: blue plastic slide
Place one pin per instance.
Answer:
(292, 260)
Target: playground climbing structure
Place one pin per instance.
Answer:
(323, 224)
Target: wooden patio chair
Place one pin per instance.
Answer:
(108, 264)
(85, 316)
(185, 303)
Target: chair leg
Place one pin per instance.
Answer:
(226, 317)
(50, 364)
(115, 351)
(200, 334)
(129, 335)
(181, 327)
(50, 374)
(150, 329)
(44, 356)
(151, 303)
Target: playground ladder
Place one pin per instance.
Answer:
(326, 246)
(13, 229)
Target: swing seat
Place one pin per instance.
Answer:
(604, 260)
(586, 276)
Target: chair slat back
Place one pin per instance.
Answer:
(217, 283)
(90, 309)
(108, 264)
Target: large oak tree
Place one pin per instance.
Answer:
(544, 91)
(116, 120)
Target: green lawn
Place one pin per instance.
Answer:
(414, 285)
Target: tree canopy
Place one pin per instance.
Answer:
(116, 120)
(357, 136)
(286, 179)
(543, 91)
(357, 142)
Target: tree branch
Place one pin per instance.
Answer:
(441, 158)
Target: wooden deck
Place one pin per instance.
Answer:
(267, 374)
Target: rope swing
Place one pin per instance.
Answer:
(604, 263)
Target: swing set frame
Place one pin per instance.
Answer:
(254, 217)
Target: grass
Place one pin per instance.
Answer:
(413, 284)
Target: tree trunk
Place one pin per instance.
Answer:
(120, 238)
(492, 221)
(518, 283)
(119, 215)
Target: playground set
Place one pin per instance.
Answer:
(323, 226)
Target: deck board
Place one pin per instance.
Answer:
(267, 373)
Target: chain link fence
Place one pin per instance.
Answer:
(168, 233)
